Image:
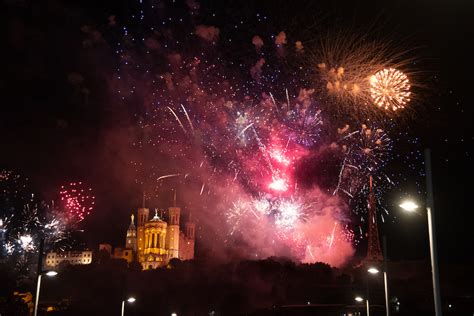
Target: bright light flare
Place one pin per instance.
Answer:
(409, 206)
(278, 184)
(373, 270)
(359, 299)
(280, 157)
(26, 242)
(131, 299)
(51, 273)
(390, 89)
(289, 213)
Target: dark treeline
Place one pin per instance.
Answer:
(265, 287)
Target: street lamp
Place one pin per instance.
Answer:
(374, 270)
(360, 299)
(131, 299)
(49, 273)
(411, 206)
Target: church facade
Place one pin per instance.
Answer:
(154, 242)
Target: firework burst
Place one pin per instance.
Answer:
(357, 72)
(390, 89)
(77, 200)
(221, 131)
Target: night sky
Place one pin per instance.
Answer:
(51, 133)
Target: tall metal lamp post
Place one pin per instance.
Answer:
(40, 273)
(411, 206)
(129, 300)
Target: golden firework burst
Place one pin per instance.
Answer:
(390, 89)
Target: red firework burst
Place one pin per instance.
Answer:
(77, 200)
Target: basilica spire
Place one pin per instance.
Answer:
(132, 224)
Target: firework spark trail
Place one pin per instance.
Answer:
(236, 174)
(287, 99)
(263, 150)
(168, 176)
(350, 135)
(340, 174)
(177, 118)
(255, 214)
(243, 131)
(310, 252)
(332, 236)
(273, 101)
(202, 189)
(187, 116)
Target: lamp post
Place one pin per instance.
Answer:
(129, 300)
(38, 287)
(385, 276)
(411, 206)
(40, 273)
(360, 299)
(374, 270)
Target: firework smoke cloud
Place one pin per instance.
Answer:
(258, 146)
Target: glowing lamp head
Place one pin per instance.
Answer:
(51, 273)
(131, 299)
(359, 299)
(373, 270)
(409, 206)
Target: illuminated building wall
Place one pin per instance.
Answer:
(154, 242)
(172, 234)
(53, 259)
(143, 214)
(126, 254)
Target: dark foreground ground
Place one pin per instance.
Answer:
(266, 287)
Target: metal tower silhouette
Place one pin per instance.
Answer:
(374, 251)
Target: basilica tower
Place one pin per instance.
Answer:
(143, 214)
(154, 253)
(187, 240)
(172, 233)
(131, 240)
(190, 229)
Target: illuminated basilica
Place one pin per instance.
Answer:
(154, 242)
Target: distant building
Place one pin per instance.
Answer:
(106, 247)
(186, 241)
(53, 259)
(120, 253)
(154, 242)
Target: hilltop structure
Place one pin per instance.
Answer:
(154, 242)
